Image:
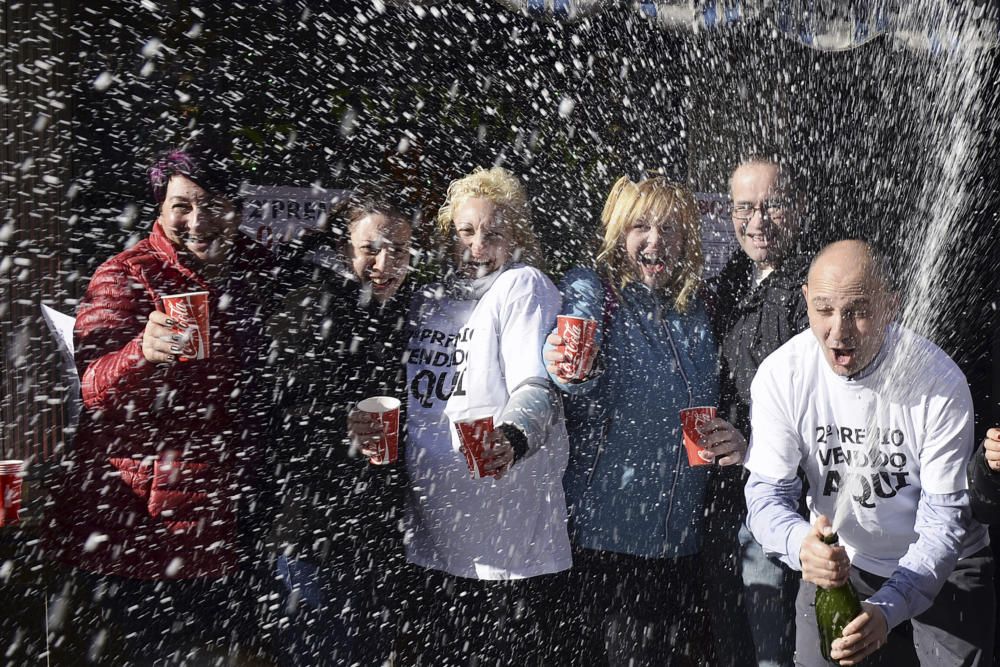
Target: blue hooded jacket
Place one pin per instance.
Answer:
(628, 484)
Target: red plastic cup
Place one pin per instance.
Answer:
(691, 420)
(190, 311)
(10, 492)
(578, 335)
(472, 433)
(385, 410)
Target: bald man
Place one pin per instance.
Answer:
(880, 421)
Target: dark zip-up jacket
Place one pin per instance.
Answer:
(752, 321)
(339, 508)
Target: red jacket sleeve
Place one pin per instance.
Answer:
(108, 335)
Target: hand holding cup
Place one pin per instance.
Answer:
(374, 428)
(722, 442)
(365, 431)
(10, 491)
(161, 343)
(487, 451)
(566, 363)
(499, 454)
(556, 359)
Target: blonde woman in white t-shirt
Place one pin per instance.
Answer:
(484, 547)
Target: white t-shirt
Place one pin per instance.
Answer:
(904, 426)
(465, 359)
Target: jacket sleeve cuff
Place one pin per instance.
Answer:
(517, 439)
(892, 604)
(795, 539)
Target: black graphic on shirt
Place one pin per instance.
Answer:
(440, 381)
(863, 464)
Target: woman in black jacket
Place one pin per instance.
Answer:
(340, 512)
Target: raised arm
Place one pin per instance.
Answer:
(583, 295)
(526, 316)
(108, 337)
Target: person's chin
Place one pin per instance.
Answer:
(475, 271)
(383, 293)
(654, 282)
(207, 253)
(756, 254)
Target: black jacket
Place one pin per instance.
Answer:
(984, 487)
(750, 322)
(340, 509)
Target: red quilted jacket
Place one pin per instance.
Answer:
(163, 453)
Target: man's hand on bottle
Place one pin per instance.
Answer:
(824, 565)
(863, 636)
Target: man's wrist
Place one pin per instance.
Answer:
(796, 537)
(891, 603)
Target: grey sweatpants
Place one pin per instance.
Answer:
(958, 630)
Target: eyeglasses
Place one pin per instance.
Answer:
(774, 209)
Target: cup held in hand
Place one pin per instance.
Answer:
(11, 473)
(385, 410)
(578, 336)
(472, 433)
(190, 312)
(691, 420)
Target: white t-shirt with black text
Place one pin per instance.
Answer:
(465, 358)
(903, 426)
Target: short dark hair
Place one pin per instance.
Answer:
(790, 177)
(378, 198)
(206, 165)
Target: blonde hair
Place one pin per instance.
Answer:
(510, 199)
(651, 199)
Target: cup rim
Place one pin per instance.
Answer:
(372, 401)
(178, 296)
(576, 317)
(471, 420)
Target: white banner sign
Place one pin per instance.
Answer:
(275, 213)
(717, 237)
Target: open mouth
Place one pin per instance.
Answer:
(651, 264)
(200, 242)
(842, 356)
(759, 240)
(380, 283)
(478, 268)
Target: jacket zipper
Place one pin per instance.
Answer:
(690, 393)
(605, 426)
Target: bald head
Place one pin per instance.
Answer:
(850, 261)
(850, 304)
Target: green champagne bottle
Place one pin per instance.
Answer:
(835, 608)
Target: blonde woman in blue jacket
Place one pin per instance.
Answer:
(637, 507)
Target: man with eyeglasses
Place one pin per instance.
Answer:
(758, 306)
